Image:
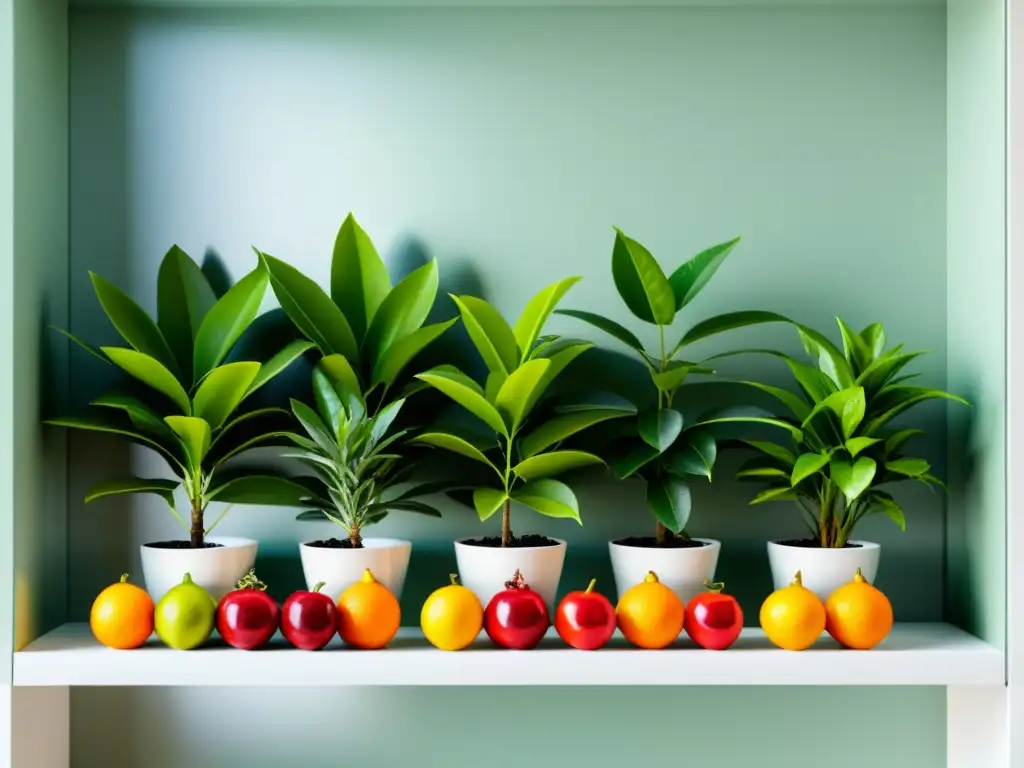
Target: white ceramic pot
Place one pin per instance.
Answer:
(484, 570)
(216, 569)
(387, 559)
(683, 570)
(822, 570)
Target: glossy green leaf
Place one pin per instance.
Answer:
(727, 322)
(610, 327)
(670, 379)
(516, 396)
(909, 467)
(830, 360)
(194, 434)
(560, 360)
(882, 370)
(600, 400)
(857, 352)
(312, 311)
(774, 494)
(455, 444)
(132, 322)
(628, 463)
(492, 387)
(221, 392)
(848, 404)
(693, 454)
(383, 420)
(321, 433)
(688, 280)
(328, 403)
(278, 362)
(226, 320)
(140, 414)
(911, 396)
(403, 310)
(487, 501)
(852, 415)
(806, 465)
(874, 338)
(341, 374)
(857, 444)
(489, 332)
(553, 463)
(264, 439)
(183, 299)
(268, 490)
(91, 349)
(771, 449)
(536, 313)
(561, 427)
(897, 440)
(401, 352)
(888, 506)
(852, 478)
(798, 407)
(659, 429)
(641, 282)
(159, 486)
(669, 499)
(99, 425)
(469, 398)
(708, 420)
(549, 497)
(151, 372)
(761, 472)
(359, 278)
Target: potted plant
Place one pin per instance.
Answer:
(841, 451)
(519, 442)
(659, 446)
(368, 333)
(183, 401)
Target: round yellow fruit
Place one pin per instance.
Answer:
(452, 617)
(858, 615)
(793, 617)
(649, 614)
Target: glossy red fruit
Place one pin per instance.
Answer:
(248, 617)
(585, 620)
(713, 620)
(309, 619)
(516, 617)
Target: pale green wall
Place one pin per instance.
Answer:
(507, 143)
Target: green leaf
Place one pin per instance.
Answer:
(599, 400)
(132, 322)
(852, 479)
(856, 350)
(808, 464)
(151, 372)
(882, 370)
(798, 407)
(469, 398)
(659, 429)
(161, 487)
(324, 435)
(857, 444)
(488, 501)
(268, 490)
(909, 467)
(313, 515)
(773, 450)
(670, 379)
(641, 282)
(727, 322)
(224, 323)
(610, 327)
(874, 338)
(890, 508)
(278, 362)
(627, 464)
(853, 414)
(669, 500)
(549, 497)
(489, 332)
(454, 444)
(536, 312)
(774, 494)
(705, 421)
(99, 425)
(222, 390)
(560, 427)
(328, 403)
(848, 404)
(898, 439)
(493, 385)
(694, 454)
(688, 280)
(92, 350)
(141, 415)
(194, 434)
(403, 310)
(761, 472)
(406, 506)
(830, 360)
(908, 397)
(516, 396)
(397, 356)
(359, 279)
(311, 310)
(182, 301)
(340, 372)
(383, 420)
(554, 463)
(560, 360)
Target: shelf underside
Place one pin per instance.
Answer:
(913, 654)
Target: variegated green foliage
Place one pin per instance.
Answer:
(354, 459)
(842, 445)
(522, 450)
(182, 399)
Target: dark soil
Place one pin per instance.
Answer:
(180, 545)
(812, 544)
(650, 542)
(332, 544)
(529, 540)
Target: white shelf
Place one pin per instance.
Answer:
(914, 654)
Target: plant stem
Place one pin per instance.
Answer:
(660, 534)
(661, 341)
(506, 524)
(354, 537)
(197, 531)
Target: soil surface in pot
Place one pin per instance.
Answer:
(813, 544)
(529, 540)
(181, 545)
(652, 543)
(332, 544)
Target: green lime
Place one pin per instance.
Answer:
(185, 615)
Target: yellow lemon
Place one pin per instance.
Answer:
(452, 617)
(793, 617)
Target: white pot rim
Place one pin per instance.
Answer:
(226, 542)
(706, 542)
(861, 545)
(369, 543)
(465, 543)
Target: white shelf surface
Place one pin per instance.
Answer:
(913, 654)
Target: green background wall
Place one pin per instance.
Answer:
(506, 143)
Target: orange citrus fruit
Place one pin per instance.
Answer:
(452, 617)
(122, 615)
(793, 617)
(368, 614)
(858, 615)
(649, 614)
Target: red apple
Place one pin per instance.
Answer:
(309, 619)
(713, 620)
(585, 620)
(516, 617)
(248, 617)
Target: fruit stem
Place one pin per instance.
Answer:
(651, 577)
(859, 577)
(124, 577)
(798, 580)
(249, 581)
(590, 586)
(455, 579)
(318, 586)
(517, 581)
(368, 577)
(186, 579)
(714, 586)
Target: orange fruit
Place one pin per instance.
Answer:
(452, 617)
(368, 614)
(122, 615)
(649, 614)
(793, 617)
(858, 615)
